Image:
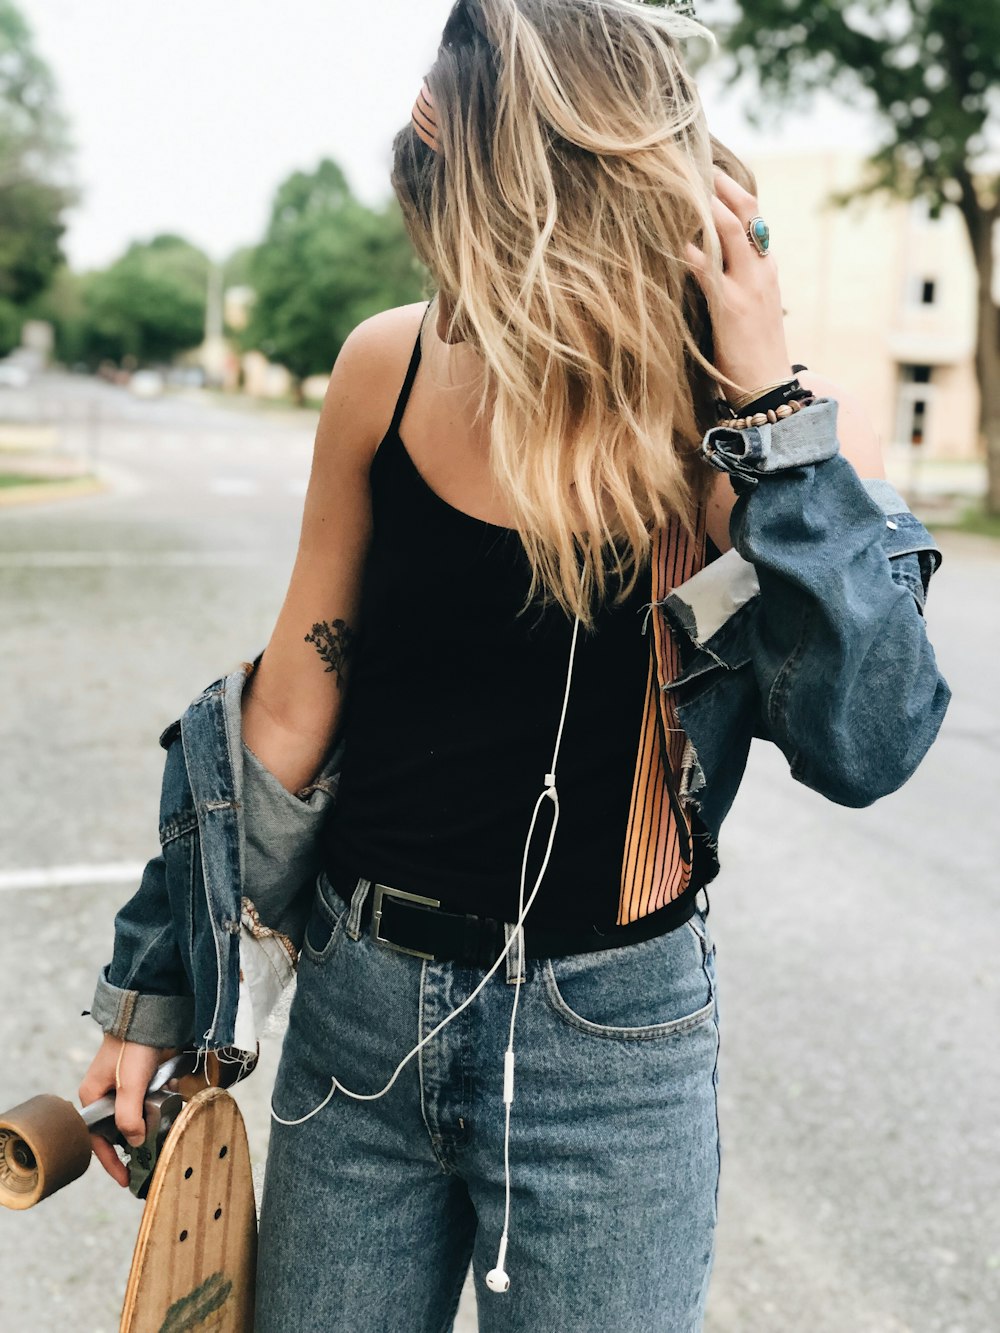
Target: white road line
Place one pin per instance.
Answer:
(58, 877)
(126, 559)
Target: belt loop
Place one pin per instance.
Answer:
(510, 929)
(353, 922)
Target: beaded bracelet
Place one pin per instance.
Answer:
(772, 415)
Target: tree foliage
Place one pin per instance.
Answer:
(930, 69)
(149, 305)
(61, 305)
(326, 263)
(33, 189)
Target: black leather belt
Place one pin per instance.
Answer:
(415, 924)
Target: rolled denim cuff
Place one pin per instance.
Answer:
(148, 1020)
(801, 440)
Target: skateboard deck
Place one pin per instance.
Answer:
(195, 1256)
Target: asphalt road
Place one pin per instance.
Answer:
(858, 984)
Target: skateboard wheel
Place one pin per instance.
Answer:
(44, 1145)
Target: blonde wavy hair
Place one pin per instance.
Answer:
(575, 165)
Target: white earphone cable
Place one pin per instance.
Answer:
(496, 1279)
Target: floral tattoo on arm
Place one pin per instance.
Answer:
(333, 643)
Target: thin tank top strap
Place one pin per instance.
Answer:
(411, 375)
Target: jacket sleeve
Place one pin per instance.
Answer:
(145, 994)
(849, 686)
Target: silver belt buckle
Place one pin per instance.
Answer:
(380, 892)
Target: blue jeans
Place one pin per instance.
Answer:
(373, 1210)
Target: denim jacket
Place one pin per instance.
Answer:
(809, 633)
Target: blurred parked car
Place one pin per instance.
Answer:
(13, 376)
(189, 377)
(146, 384)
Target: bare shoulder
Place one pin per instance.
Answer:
(859, 440)
(366, 379)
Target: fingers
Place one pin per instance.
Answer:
(125, 1069)
(737, 200)
(137, 1067)
(732, 235)
(93, 1088)
(109, 1159)
(733, 208)
(698, 263)
(99, 1082)
(99, 1079)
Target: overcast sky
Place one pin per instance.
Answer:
(187, 115)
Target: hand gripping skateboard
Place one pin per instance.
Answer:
(194, 1260)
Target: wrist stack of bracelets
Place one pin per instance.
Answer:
(771, 404)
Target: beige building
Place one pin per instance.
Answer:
(880, 297)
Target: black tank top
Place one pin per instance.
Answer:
(450, 718)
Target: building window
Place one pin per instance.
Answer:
(928, 292)
(918, 420)
(917, 374)
(916, 391)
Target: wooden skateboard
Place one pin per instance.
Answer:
(195, 1256)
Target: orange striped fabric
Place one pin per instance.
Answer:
(656, 866)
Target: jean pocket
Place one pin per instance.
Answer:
(326, 921)
(656, 988)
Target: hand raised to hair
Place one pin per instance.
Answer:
(744, 300)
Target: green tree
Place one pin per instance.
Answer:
(931, 70)
(150, 304)
(62, 306)
(236, 269)
(326, 263)
(34, 191)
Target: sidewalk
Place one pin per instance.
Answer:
(936, 489)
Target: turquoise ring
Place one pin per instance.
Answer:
(759, 236)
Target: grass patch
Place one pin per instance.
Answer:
(8, 479)
(973, 520)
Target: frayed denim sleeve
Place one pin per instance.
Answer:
(849, 685)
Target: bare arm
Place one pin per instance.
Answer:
(859, 441)
(292, 703)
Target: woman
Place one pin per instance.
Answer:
(545, 629)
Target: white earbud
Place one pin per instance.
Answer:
(496, 1278)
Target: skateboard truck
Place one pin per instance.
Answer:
(160, 1110)
(45, 1142)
